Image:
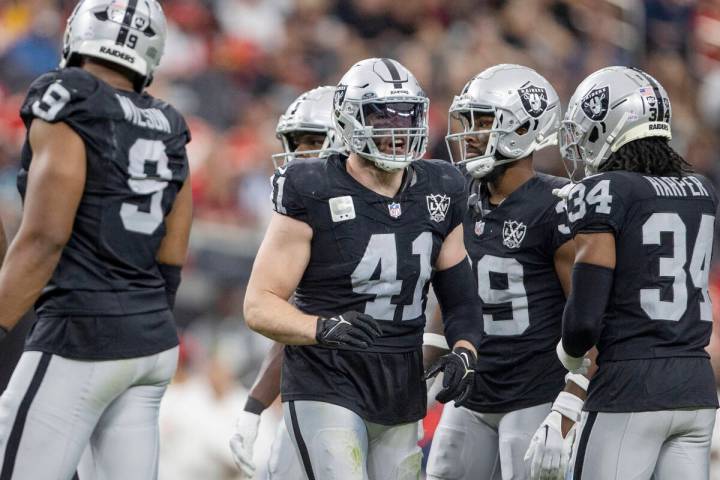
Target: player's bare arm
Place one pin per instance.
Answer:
(55, 186)
(267, 384)
(174, 247)
(278, 268)
(172, 253)
(3, 243)
(564, 259)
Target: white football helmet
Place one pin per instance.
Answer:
(311, 112)
(128, 33)
(526, 111)
(379, 102)
(610, 108)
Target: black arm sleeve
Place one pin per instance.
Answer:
(585, 307)
(459, 303)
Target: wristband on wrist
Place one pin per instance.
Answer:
(579, 380)
(568, 405)
(253, 405)
(435, 340)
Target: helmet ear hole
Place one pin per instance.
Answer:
(594, 134)
(523, 129)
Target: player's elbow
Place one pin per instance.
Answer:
(253, 312)
(578, 340)
(43, 242)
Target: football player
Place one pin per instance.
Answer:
(357, 239)
(104, 233)
(522, 253)
(643, 229)
(305, 130)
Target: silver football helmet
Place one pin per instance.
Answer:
(380, 112)
(128, 33)
(311, 112)
(610, 108)
(526, 113)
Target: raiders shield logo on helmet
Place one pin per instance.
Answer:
(595, 103)
(438, 205)
(339, 95)
(513, 233)
(534, 100)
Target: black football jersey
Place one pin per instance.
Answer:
(512, 248)
(371, 254)
(136, 164)
(659, 318)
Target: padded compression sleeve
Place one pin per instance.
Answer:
(459, 303)
(171, 274)
(585, 307)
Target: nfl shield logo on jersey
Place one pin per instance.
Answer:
(395, 210)
(438, 205)
(479, 227)
(513, 233)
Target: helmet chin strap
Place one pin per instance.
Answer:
(484, 160)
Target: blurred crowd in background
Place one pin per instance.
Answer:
(233, 66)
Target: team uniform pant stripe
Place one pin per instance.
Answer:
(13, 443)
(582, 446)
(304, 455)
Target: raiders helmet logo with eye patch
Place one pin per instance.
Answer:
(339, 95)
(595, 103)
(534, 100)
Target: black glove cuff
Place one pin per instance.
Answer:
(253, 405)
(319, 327)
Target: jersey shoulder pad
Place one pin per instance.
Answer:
(68, 93)
(709, 187)
(443, 175)
(552, 214)
(296, 184)
(542, 193)
(444, 182)
(598, 203)
(176, 119)
(552, 181)
(309, 176)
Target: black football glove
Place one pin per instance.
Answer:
(351, 328)
(458, 369)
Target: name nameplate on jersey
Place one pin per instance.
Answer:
(342, 208)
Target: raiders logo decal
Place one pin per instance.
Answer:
(595, 103)
(534, 100)
(339, 95)
(438, 205)
(513, 233)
